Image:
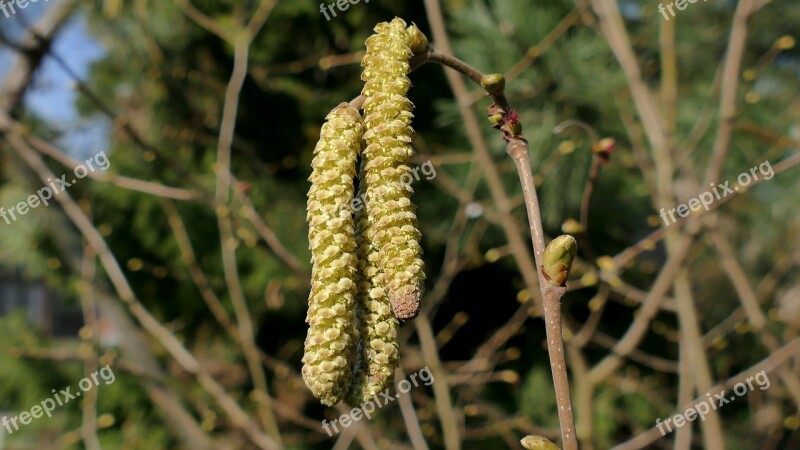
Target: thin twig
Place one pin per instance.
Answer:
(195, 272)
(228, 241)
(201, 19)
(89, 308)
(691, 335)
(133, 184)
(494, 182)
(537, 50)
(588, 187)
(410, 416)
(551, 296)
(261, 227)
(440, 388)
(683, 435)
(517, 149)
(730, 83)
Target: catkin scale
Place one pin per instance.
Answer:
(387, 124)
(331, 334)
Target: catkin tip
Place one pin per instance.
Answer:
(406, 306)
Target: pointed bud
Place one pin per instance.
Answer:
(494, 83)
(496, 120)
(558, 258)
(417, 41)
(533, 442)
(497, 115)
(512, 127)
(604, 148)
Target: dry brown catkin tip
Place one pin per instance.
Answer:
(331, 333)
(387, 123)
(377, 351)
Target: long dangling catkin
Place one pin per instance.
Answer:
(387, 123)
(377, 351)
(331, 333)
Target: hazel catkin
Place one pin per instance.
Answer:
(377, 351)
(331, 334)
(387, 125)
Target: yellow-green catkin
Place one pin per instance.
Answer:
(327, 361)
(377, 351)
(387, 123)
